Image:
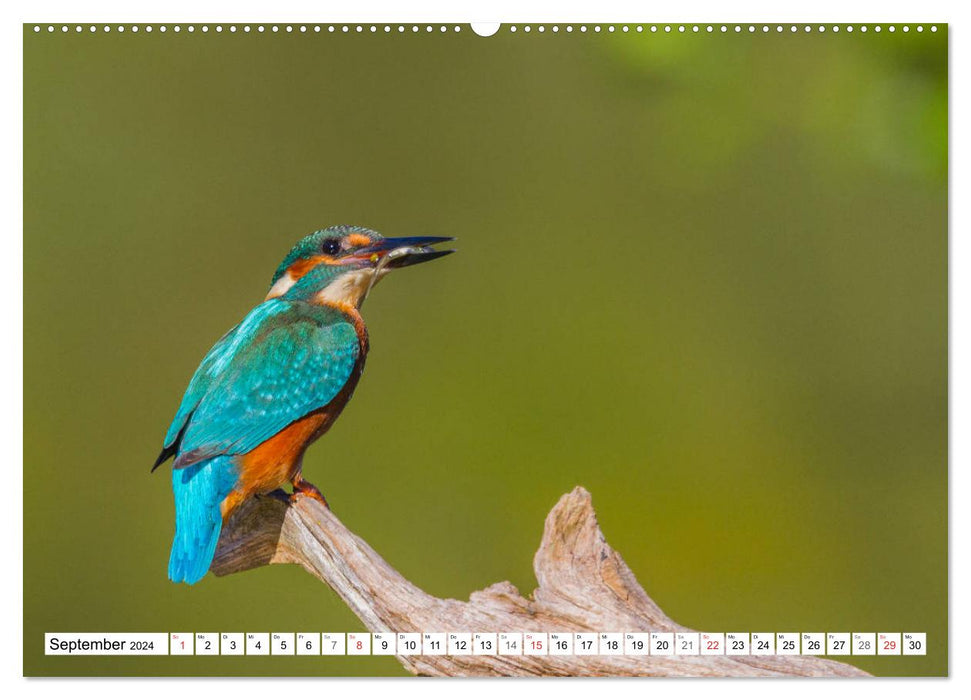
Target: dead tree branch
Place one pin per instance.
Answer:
(584, 586)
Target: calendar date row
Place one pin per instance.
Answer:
(491, 643)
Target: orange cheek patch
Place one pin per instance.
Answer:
(358, 239)
(302, 267)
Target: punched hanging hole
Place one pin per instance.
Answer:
(485, 28)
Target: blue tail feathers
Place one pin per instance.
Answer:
(199, 490)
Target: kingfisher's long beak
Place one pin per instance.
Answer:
(401, 252)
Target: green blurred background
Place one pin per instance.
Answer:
(703, 275)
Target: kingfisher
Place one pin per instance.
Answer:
(275, 383)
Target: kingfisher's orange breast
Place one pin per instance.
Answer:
(272, 464)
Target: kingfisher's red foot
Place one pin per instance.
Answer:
(302, 487)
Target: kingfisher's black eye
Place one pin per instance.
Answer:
(331, 246)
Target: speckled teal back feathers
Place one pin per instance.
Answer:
(285, 359)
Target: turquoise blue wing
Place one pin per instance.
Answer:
(294, 359)
(213, 364)
(197, 389)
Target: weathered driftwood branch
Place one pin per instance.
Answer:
(584, 586)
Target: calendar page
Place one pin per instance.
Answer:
(513, 349)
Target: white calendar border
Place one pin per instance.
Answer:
(12, 642)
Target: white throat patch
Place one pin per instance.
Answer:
(350, 288)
